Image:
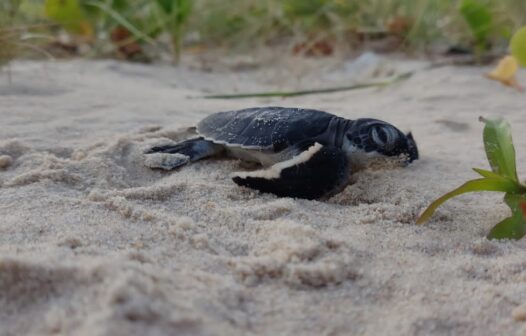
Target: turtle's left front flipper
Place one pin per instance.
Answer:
(316, 172)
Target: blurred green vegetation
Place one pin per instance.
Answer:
(135, 27)
(518, 46)
(21, 29)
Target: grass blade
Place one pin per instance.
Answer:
(487, 173)
(479, 19)
(499, 147)
(484, 184)
(309, 92)
(122, 21)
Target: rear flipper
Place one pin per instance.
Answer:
(320, 171)
(173, 156)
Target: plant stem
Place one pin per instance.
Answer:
(309, 92)
(176, 43)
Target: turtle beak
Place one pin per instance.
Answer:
(412, 149)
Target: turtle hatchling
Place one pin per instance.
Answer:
(303, 153)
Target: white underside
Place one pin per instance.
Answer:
(263, 157)
(274, 171)
(233, 145)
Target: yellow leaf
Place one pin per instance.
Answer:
(70, 15)
(505, 72)
(86, 29)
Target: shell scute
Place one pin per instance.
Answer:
(264, 127)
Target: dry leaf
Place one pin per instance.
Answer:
(316, 49)
(399, 25)
(125, 42)
(505, 72)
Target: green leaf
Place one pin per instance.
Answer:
(484, 184)
(499, 147)
(518, 46)
(302, 8)
(487, 173)
(478, 17)
(166, 5)
(513, 227)
(69, 14)
(32, 9)
(184, 10)
(179, 9)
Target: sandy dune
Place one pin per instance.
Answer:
(94, 243)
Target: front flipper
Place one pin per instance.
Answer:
(319, 171)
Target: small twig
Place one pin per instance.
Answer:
(309, 92)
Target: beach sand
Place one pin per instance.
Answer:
(92, 242)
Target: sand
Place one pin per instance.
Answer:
(92, 242)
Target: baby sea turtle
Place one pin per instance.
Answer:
(303, 153)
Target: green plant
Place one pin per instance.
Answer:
(8, 34)
(239, 25)
(518, 46)
(243, 25)
(139, 20)
(142, 20)
(19, 29)
(479, 18)
(174, 16)
(70, 15)
(503, 177)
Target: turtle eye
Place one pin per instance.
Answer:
(383, 136)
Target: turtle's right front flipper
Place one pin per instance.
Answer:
(316, 172)
(182, 153)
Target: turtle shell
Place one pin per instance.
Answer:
(265, 127)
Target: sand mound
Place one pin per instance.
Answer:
(297, 255)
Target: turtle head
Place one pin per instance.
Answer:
(374, 136)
